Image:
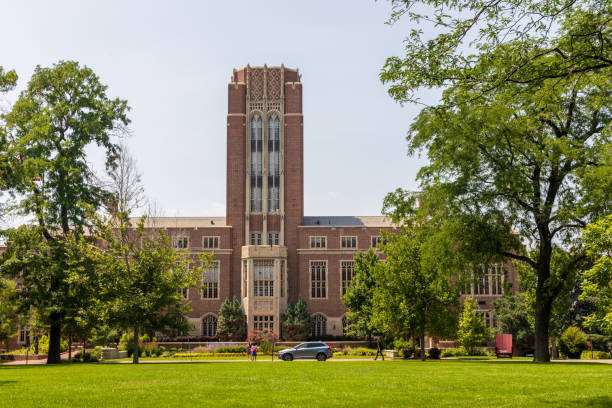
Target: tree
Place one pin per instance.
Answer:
(63, 111)
(125, 185)
(472, 329)
(147, 276)
(232, 321)
(9, 310)
(8, 80)
(296, 322)
(359, 294)
(520, 137)
(597, 283)
(412, 296)
(512, 314)
(527, 41)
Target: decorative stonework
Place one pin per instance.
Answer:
(274, 83)
(256, 84)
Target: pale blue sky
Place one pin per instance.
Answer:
(172, 62)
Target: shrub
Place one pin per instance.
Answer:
(90, 356)
(454, 352)
(434, 353)
(43, 345)
(127, 343)
(405, 348)
(151, 349)
(258, 336)
(230, 349)
(572, 342)
(597, 355)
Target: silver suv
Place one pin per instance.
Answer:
(315, 349)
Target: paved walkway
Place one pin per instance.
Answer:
(64, 356)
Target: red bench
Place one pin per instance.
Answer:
(503, 345)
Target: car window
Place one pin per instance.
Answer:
(301, 346)
(313, 345)
(319, 345)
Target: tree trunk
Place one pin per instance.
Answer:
(543, 303)
(135, 352)
(422, 340)
(69, 348)
(55, 332)
(542, 323)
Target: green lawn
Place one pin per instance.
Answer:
(309, 384)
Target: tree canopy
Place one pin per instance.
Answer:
(63, 111)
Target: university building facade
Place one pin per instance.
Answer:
(266, 251)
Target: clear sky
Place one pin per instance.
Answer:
(172, 61)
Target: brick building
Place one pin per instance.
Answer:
(267, 252)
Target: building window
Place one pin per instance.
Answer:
(263, 322)
(273, 164)
(489, 318)
(245, 274)
(347, 270)
(256, 164)
(210, 281)
(319, 326)
(486, 282)
(273, 238)
(255, 238)
(318, 242)
(209, 326)
(210, 242)
(184, 292)
(318, 279)
(263, 279)
(344, 326)
(24, 335)
(376, 240)
(180, 242)
(282, 278)
(348, 242)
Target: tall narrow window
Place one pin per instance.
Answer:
(273, 164)
(319, 326)
(318, 279)
(210, 281)
(347, 271)
(263, 278)
(256, 164)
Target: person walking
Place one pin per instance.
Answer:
(254, 352)
(379, 350)
(248, 351)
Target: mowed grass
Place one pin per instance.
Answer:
(309, 384)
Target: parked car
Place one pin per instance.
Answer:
(315, 349)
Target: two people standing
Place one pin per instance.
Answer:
(251, 350)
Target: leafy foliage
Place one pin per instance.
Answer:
(359, 294)
(472, 330)
(296, 321)
(572, 342)
(63, 112)
(597, 283)
(412, 296)
(232, 321)
(9, 310)
(513, 317)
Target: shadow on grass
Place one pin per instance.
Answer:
(8, 382)
(600, 401)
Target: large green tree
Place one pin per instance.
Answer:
(63, 112)
(359, 294)
(597, 282)
(296, 321)
(413, 296)
(147, 276)
(472, 330)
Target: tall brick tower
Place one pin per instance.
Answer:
(265, 184)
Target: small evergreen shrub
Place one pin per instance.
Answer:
(230, 349)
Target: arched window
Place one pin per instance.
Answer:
(256, 164)
(319, 326)
(209, 326)
(273, 164)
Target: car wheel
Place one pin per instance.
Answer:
(287, 357)
(321, 357)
